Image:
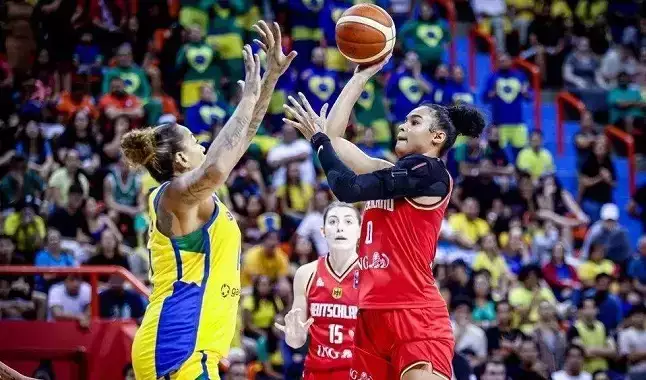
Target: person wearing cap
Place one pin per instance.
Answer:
(609, 233)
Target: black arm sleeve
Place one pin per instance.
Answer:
(412, 176)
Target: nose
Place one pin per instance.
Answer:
(401, 127)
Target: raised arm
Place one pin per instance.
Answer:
(226, 150)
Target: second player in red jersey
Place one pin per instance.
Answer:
(403, 320)
(326, 292)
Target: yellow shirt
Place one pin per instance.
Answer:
(297, 197)
(25, 237)
(497, 266)
(63, 182)
(589, 11)
(520, 297)
(473, 230)
(590, 270)
(534, 163)
(263, 316)
(256, 263)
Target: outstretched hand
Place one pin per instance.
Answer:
(251, 84)
(271, 44)
(307, 121)
(295, 326)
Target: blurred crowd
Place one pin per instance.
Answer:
(541, 282)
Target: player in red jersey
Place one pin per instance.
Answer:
(402, 316)
(326, 291)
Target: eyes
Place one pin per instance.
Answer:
(333, 221)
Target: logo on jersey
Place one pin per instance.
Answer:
(226, 291)
(377, 261)
(355, 283)
(356, 375)
(330, 310)
(327, 352)
(320, 282)
(384, 204)
(337, 293)
(229, 215)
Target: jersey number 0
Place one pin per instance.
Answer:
(369, 232)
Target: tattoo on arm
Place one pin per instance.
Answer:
(260, 110)
(7, 373)
(164, 221)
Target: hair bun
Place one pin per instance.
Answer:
(139, 146)
(467, 120)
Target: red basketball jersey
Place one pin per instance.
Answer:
(396, 253)
(332, 301)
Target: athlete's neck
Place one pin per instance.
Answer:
(341, 260)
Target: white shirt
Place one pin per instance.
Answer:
(311, 228)
(474, 338)
(632, 340)
(293, 149)
(562, 375)
(58, 296)
(489, 7)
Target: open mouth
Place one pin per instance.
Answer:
(401, 138)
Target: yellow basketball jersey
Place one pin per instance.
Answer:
(196, 290)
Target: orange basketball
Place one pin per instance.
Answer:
(365, 34)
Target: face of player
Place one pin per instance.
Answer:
(342, 229)
(193, 154)
(416, 135)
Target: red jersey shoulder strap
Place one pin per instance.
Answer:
(439, 203)
(313, 275)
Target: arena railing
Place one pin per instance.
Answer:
(628, 142)
(534, 72)
(564, 98)
(92, 272)
(451, 16)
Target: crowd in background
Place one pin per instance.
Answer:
(541, 282)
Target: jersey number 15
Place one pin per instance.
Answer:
(336, 334)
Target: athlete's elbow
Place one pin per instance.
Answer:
(215, 173)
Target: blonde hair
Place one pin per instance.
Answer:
(154, 149)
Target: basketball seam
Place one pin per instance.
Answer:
(387, 47)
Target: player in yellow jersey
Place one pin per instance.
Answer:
(194, 241)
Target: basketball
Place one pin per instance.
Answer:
(365, 34)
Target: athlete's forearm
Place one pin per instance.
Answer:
(267, 87)
(339, 116)
(7, 373)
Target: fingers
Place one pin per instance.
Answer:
(261, 45)
(297, 106)
(248, 58)
(293, 124)
(241, 84)
(306, 325)
(265, 33)
(279, 326)
(256, 59)
(276, 33)
(290, 57)
(324, 110)
(296, 114)
(307, 105)
(260, 30)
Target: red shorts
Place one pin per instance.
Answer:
(402, 338)
(327, 375)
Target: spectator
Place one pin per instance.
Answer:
(209, 113)
(36, 148)
(502, 337)
(16, 300)
(69, 220)
(108, 253)
(637, 267)
(561, 276)
(597, 178)
(123, 197)
(294, 196)
(161, 105)
(493, 262)
(20, 43)
(632, 342)
(70, 103)
(291, 149)
(637, 206)
(530, 365)
(460, 91)
(87, 56)
(258, 312)
(52, 255)
(589, 333)
(535, 159)
(610, 312)
(467, 226)
(494, 370)
(198, 63)
(406, 88)
(98, 222)
(134, 79)
(610, 234)
(64, 178)
(626, 105)
(618, 60)
(80, 136)
(267, 259)
(527, 296)
(484, 309)
(551, 339)
(582, 77)
(490, 16)
(595, 265)
(584, 139)
(505, 91)
(427, 36)
(319, 84)
(573, 369)
(118, 103)
(469, 338)
(19, 183)
(369, 146)
(116, 302)
(441, 91)
(26, 227)
(70, 300)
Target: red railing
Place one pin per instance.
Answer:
(563, 98)
(93, 272)
(533, 71)
(451, 16)
(627, 140)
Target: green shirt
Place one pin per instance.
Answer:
(425, 38)
(371, 113)
(134, 77)
(618, 95)
(199, 62)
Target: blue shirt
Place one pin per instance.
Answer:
(202, 116)
(507, 104)
(637, 269)
(404, 94)
(610, 310)
(320, 86)
(328, 17)
(87, 54)
(46, 259)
